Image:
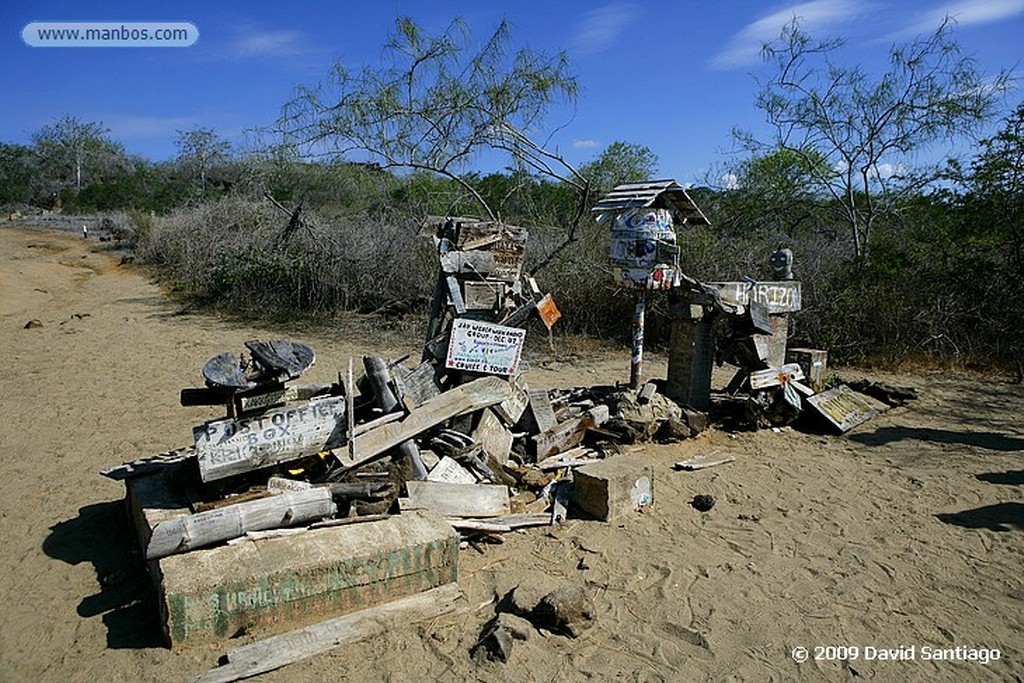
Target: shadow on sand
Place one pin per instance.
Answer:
(987, 440)
(998, 517)
(101, 535)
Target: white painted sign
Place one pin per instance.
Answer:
(484, 347)
(782, 296)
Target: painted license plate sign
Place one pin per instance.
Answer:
(842, 407)
(484, 347)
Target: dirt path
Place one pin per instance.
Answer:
(909, 531)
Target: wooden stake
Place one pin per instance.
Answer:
(636, 367)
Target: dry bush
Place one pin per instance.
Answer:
(246, 256)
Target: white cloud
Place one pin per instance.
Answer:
(745, 47)
(585, 144)
(964, 13)
(254, 42)
(600, 28)
(729, 181)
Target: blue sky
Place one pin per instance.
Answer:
(674, 76)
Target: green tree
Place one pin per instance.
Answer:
(18, 173)
(434, 103)
(866, 129)
(199, 150)
(620, 162)
(70, 146)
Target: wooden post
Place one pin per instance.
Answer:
(636, 366)
(691, 352)
(377, 373)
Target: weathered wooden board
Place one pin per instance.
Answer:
(278, 651)
(457, 500)
(153, 499)
(483, 295)
(465, 398)
(562, 436)
(234, 446)
(279, 583)
(484, 347)
(512, 408)
(447, 470)
(185, 533)
(780, 297)
(842, 407)
(541, 410)
(419, 385)
(814, 362)
(474, 262)
(494, 436)
(773, 377)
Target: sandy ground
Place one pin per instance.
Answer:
(906, 532)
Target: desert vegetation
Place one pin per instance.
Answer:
(900, 262)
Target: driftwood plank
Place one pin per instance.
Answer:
(235, 446)
(701, 462)
(495, 437)
(474, 262)
(511, 409)
(540, 408)
(566, 435)
(278, 651)
(206, 528)
(480, 393)
(447, 470)
(773, 377)
(457, 500)
(420, 385)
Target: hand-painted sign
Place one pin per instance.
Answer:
(233, 446)
(842, 407)
(782, 296)
(484, 347)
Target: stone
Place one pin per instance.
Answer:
(613, 488)
(567, 610)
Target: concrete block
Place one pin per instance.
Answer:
(282, 583)
(614, 487)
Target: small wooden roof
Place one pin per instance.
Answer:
(665, 194)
